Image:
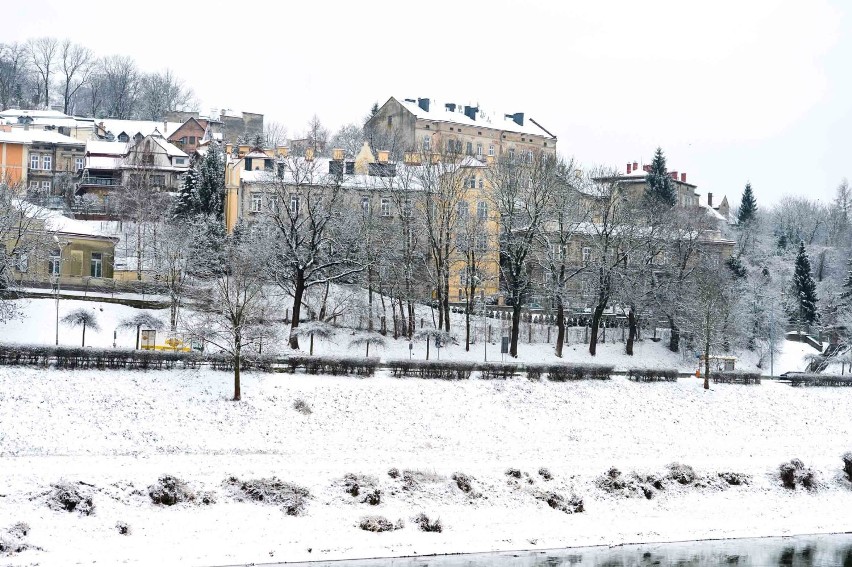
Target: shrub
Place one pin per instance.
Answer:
(334, 366)
(734, 479)
(123, 527)
(432, 369)
(291, 497)
(71, 497)
(353, 484)
(393, 472)
(566, 372)
(652, 374)
(572, 505)
(302, 406)
(513, 472)
(682, 474)
(412, 479)
(735, 377)
(545, 474)
(427, 524)
(794, 473)
(464, 482)
(373, 498)
(847, 465)
(170, 490)
(498, 370)
(376, 524)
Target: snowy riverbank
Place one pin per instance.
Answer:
(120, 431)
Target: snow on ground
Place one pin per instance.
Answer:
(120, 431)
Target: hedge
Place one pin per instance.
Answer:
(652, 374)
(498, 370)
(97, 358)
(564, 372)
(335, 366)
(819, 380)
(735, 377)
(432, 369)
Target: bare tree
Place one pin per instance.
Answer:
(350, 138)
(162, 92)
(14, 63)
(172, 254)
(43, 52)
(275, 133)
(315, 138)
(139, 320)
(75, 65)
(120, 86)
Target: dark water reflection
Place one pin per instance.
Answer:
(798, 551)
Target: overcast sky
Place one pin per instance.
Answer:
(733, 91)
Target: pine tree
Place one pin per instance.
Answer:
(211, 183)
(748, 207)
(660, 188)
(804, 288)
(186, 205)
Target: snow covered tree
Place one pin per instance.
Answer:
(139, 320)
(186, 205)
(804, 289)
(846, 294)
(660, 189)
(82, 317)
(748, 207)
(350, 138)
(211, 183)
(736, 267)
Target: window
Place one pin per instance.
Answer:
(557, 250)
(386, 206)
(46, 162)
(123, 137)
(481, 243)
(482, 210)
(79, 163)
(478, 150)
(256, 202)
(470, 148)
(55, 262)
(407, 209)
(512, 154)
(33, 185)
(390, 121)
(530, 182)
(529, 157)
(22, 262)
(463, 210)
(470, 182)
(45, 186)
(294, 204)
(427, 143)
(192, 140)
(587, 254)
(34, 161)
(180, 161)
(491, 150)
(183, 140)
(97, 265)
(481, 182)
(365, 206)
(272, 203)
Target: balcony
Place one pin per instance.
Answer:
(99, 181)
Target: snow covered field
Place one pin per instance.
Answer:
(120, 431)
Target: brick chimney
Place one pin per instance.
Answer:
(628, 167)
(646, 168)
(309, 154)
(683, 178)
(337, 154)
(710, 200)
(384, 155)
(635, 166)
(673, 175)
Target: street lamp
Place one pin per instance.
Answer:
(58, 280)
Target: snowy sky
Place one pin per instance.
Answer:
(732, 90)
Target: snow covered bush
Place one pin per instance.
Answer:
(652, 374)
(682, 474)
(513, 472)
(412, 479)
(170, 490)
(572, 505)
(794, 474)
(393, 472)
(734, 479)
(71, 497)
(123, 527)
(847, 464)
(735, 377)
(12, 539)
(498, 370)
(334, 366)
(379, 524)
(465, 484)
(427, 524)
(291, 497)
(302, 406)
(545, 473)
(432, 369)
(565, 372)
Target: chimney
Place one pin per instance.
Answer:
(517, 118)
(683, 178)
(628, 167)
(244, 149)
(635, 166)
(646, 168)
(450, 106)
(229, 149)
(337, 154)
(281, 151)
(383, 156)
(309, 154)
(673, 175)
(470, 111)
(423, 103)
(165, 128)
(412, 158)
(710, 200)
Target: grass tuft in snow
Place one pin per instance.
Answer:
(412, 479)
(170, 490)
(355, 484)
(71, 497)
(847, 464)
(545, 473)
(379, 524)
(427, 524)
(393, 472)
(123, 528)
(735, 479)
(12, 539)
(682, 474)
(513, 472)
(293, 498)
(465, 484)
(572, 505)
(795, 474)
(302, 407)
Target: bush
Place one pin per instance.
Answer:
(847, 465)
(334, 366)
(734, 479)
(428, 525)
(302, 406)
(354, 484)
(95, 358)
(12, 539)
(545, 474)
(373, 498)
(682, 474)
(794, 474)
(735, 377)
(71, 497)
(293, 498)
(379, 524)
(432, 369)
(572, 505)
(498, 370)
(513, 472)
(652, 374)
(170, 490)
(411, 479)
(465, 483)
(566, 372)
(123, 528)
(393, 472)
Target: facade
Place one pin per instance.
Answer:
(156, 163)
(190, 135)
(425, 125)
(634, 181)
(43, 161)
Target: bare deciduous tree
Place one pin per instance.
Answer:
(162, 92)
(120, 80)
(75, 65)
(43, 52)
(14, 61)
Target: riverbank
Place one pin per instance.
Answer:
(119, 432)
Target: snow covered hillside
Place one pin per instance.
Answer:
(118, 432)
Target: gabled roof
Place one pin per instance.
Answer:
(133, 127)
(438, 112)
(18, 136)
(191, 119)
(104, 148)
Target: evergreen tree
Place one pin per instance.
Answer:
(782, 241)
(186, 205)
(660, 188)
(736, 266)
(211, 183)
(804, 288)
(748, 207)
(846, 294)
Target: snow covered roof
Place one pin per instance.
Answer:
(102, 147)
(16, 112)
(104, 162)
(54, 221)
(169, 148)
(316, 173)
(144, 127)
(18, 136)
(438, 112)
(639, 175)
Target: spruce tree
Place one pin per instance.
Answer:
(738, 270)
(846, 294)
(660, 189)
(805, 288)
(186, 205)
(748, 207)
(211, 183)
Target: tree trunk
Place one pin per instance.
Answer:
(631, 336)
(411, 320)
(707, 320)
(427, 347)
(560, 326)
(368, 350)
(84, 333)
(312, 345)
(516, 328)
(237, 361)
(298, 293)
(674, 338)
(596, 321)
(324, 306)
(174, 314)
(138, 327)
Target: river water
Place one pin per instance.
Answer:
(834, 550)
